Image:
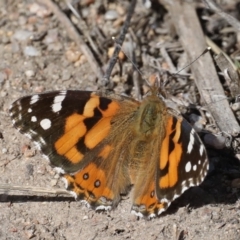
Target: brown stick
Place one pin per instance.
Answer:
(6, 188)
(230, 19)
(75, 36)
(230, 74)
(191, 35)
(105, 80)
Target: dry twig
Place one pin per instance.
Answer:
(230, 74)
(191, 35)
(105, 80)
(230, 19)
(6, 188)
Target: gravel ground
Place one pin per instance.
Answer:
(52, 62)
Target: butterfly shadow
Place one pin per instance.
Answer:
(217, 187)
(26, 198)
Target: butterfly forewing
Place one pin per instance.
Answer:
(58, 122)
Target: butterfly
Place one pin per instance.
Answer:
(106, 144)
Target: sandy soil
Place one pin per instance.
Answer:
(211, 211)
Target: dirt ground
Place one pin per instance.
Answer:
(51, 61)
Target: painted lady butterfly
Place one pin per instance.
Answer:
(104, 143)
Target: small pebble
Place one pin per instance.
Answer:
(54, 182)
(22, 20)
(81, 61)
(29, 153)
(73, 56)
(147, 4)
(66, 75)
(3, 94)
(4, 150)
(121, 55)
(5, 39)
(29, 73)
(29, 233)
(111, 15)
(3, 77)
(22, 35)
(236, 106)
(39, 10)
(51, 37)
(15, 46)
(31, 51)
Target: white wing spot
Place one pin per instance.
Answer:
(201, 150)
(34, 99)
(101, 207)
(29, 110)
(60, 170)
(57, 103)
(32, 132)
(65, 182)
(138, 214)
(46, 157)
(19, 105)
(191, 141)
(73, 194)
(10, 107)
(33, 119)
(194, 167)
(45, 124)
(188, 167)
(28, 135)
(199, 162)
(42, 141)
(37, 144)
(184, 183)
(207, 164)
(63, 92)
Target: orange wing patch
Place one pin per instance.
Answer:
(170, 157)
(148, 204)
(90, 184)
(98, 132)
(105, 151)
(76, 128)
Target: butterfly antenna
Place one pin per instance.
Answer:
(205, 51)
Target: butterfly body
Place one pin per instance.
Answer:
(105, 143)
